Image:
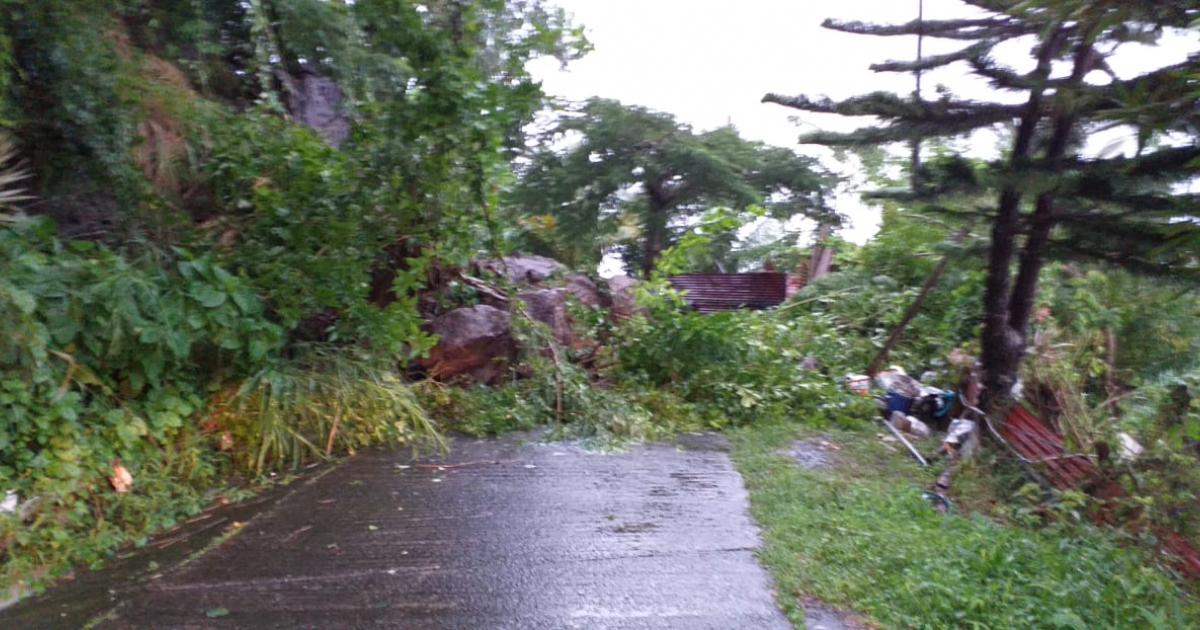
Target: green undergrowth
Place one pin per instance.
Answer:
(133, 390)
(598, 416)
(860, 535)
(66, 532)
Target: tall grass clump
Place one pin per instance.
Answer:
(324, 402)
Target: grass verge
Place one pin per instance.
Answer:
(858, 534)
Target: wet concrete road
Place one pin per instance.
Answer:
(498, 535)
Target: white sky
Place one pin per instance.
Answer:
(709, 62)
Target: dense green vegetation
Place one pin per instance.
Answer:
(860, 535)
(195, 282)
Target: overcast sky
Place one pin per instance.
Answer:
(709, 62)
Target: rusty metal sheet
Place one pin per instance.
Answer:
(1034, 441)
(712, 292)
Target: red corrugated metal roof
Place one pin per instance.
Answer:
(710, 292)
(1035, 442)
(1030, 437)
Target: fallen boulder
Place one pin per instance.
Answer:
(475, 342)
(624, 306)
(584, 290)
(549, 306)
(524, 269)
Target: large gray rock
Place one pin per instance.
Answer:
(524, 269)
(474, 342)
(624, 305)
(584, 290)
(549, 306)
(315, 101)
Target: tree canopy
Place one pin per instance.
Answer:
(610, 175)
(1052, 199)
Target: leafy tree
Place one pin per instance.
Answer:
(630, 174)
(1052, 199)
(436, 94)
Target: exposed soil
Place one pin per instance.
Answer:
(815, 453)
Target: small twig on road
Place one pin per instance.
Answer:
(292, 536)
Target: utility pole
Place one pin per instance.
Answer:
(916, 142)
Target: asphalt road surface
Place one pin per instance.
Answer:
(498, 534)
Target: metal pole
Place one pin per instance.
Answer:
(911, 449)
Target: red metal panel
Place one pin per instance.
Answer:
(710, 292)
(1181, 554)
(1036, 442)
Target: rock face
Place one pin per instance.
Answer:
(475, 342)
(549, 306)
(525, 269)
(584, 290)
(315, 101)
(623, 303)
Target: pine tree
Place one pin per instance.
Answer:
(1051, 199)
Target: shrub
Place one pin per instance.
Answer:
(736, 367)
(106, 361)
(308, 237)
(327, 400)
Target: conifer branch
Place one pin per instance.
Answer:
(935, 61)
(985, 28)
(910, 118)
(893, 106)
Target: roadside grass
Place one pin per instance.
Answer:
(859, 535)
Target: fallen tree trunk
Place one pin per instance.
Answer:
(911, 313)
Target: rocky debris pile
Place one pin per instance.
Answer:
(549, 306)
(523, 269)
(586, 291)
(476, 342)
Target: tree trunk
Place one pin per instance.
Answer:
(653, 241)
(1024, 291)
(1000, 352)
(1002, 348)
(1042, 222)
(655, 224)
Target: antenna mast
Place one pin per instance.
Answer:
(916, 142)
